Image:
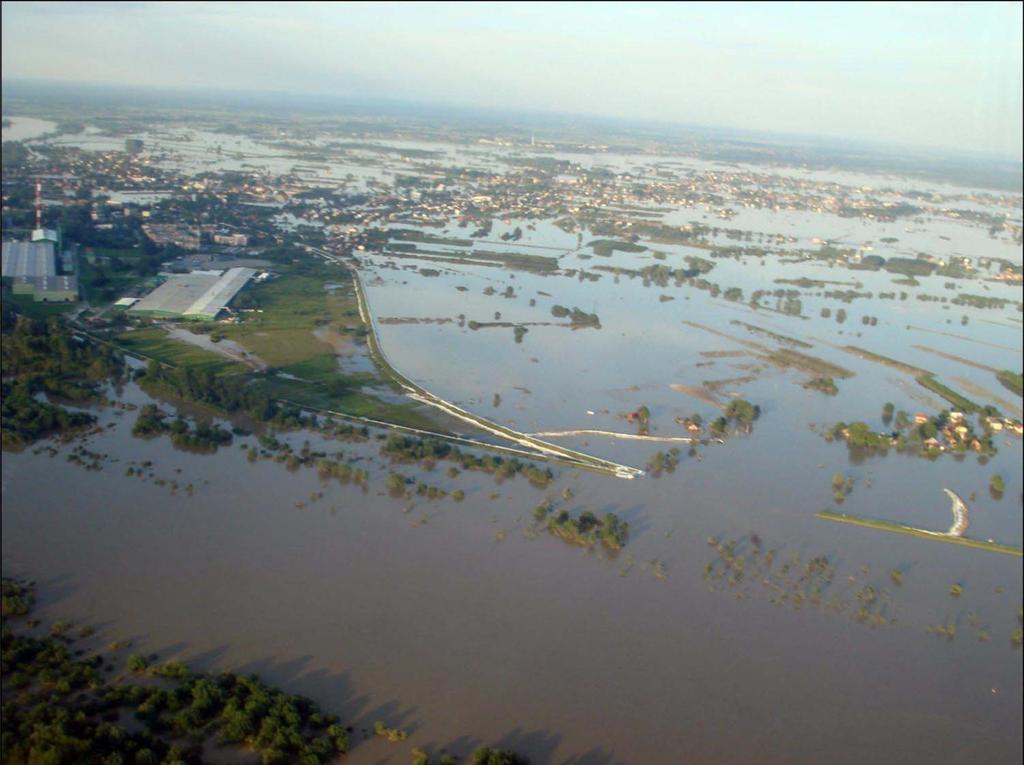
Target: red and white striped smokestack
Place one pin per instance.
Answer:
(39, 202)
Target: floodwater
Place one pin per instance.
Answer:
(454, 622)
(25, 128)
(465, 625)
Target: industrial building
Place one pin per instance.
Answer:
(33, 270)
(199, 294)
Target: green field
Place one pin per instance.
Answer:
(155, 343)
(898, 528)
(293, 307)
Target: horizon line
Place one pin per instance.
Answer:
(797, 140)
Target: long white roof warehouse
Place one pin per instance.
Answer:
(198, 294)
(213, 301)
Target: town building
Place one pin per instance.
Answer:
(34, 269)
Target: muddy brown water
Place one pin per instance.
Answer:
(421, 618)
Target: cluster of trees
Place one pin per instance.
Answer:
(643, 419)
(18, 597)
(997, 485)
(431, 450)
(43, 357)
(78, 226)
(482, 756)
(230, 394)
(26, 419)
(661, 274)
(344, 472)
(841, 486)
(205, 387)
(394, 735)
(488, 756)
(663, 462)
(577, 317)
(605, 247)
(59, 708)
(204, 439)
(327, 466)
(860, 435)
(909, 266)
(981, 301)
(824, 384)
(55, 723)
(586, 529)
(791, 306)
(910, 436)
(734, 294)
(697, 265)
(397, 483)
(740, 411)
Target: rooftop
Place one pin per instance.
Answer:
(29, 259)
(202, 294)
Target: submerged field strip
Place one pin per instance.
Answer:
(936, 536)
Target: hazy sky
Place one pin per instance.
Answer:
(947, 74)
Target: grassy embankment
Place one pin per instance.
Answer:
(784, 339)
(922, 377)
(1012, 381)
(512, 260)
(873, 523)
(785, 357)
